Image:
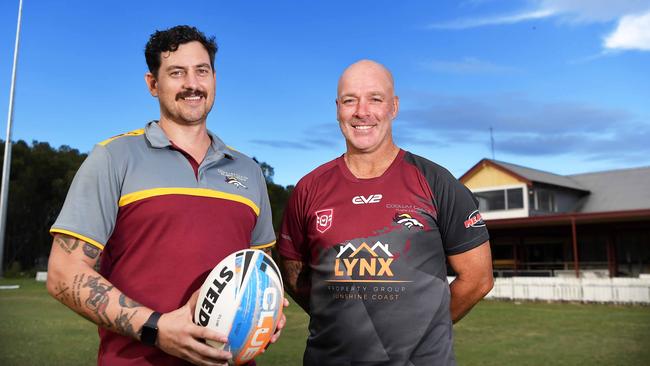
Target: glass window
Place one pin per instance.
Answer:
(515, 198)
(545, 200)
(491, 200)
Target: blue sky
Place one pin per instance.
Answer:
(565, 84)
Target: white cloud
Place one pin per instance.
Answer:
(496, 20)
(590, 11)
(632, 32)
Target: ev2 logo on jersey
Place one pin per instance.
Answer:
(362, 200)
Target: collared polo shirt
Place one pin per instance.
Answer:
(161, 226)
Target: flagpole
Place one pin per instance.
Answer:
(6, 165)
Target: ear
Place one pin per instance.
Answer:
(152, 83)
(395, 106)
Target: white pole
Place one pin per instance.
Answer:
(6, 165)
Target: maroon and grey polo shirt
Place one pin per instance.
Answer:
(376, 249)
(161, 225)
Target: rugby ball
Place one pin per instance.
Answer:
(243, 298)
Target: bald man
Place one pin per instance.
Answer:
(365, 238)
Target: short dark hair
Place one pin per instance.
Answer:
(168, 41)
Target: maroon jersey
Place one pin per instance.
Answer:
(376, 249)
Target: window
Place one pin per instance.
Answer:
(515, 198)
(545, 200)
(503, 199)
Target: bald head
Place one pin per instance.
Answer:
(367, 70)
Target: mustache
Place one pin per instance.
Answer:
(191, 93)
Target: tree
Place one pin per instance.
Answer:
(39, 180)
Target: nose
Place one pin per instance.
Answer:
(362, 109)
(191, 80)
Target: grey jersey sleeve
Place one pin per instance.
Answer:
(91, 206)
(458, 218)
(263, 234)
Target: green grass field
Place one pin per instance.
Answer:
(35, 329)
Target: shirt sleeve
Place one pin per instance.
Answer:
(292, 232)
(461, 226)
(90, 208)
(263, 235)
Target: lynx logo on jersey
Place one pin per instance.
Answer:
(347, 264)
(324, 219)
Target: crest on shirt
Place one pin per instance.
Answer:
(407, 221)
(235, 182)
(324, 219)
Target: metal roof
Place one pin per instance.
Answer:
(616, 190)
(542, 176)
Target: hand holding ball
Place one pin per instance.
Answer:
(243, 298)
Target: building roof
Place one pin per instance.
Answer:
(615, 190)
(541, 176)
(606, 191)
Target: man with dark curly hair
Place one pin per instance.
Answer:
(159, 207)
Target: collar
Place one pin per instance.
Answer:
(158, 140)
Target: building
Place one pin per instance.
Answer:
(545, 224)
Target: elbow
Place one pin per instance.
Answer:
(50, 284)
(55, 282)
(486, 285)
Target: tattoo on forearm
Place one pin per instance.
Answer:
(76, 289)
(90, 251)
(62, 292)
(67, 243)
(125, 302)
(123, 323)
(98, 299)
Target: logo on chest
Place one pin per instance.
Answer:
(407, 220)
(363, 200)
(324, 219)
(235, 182)
(366, 266)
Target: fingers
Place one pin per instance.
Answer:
(193, 299)
(200, 332)
(278, 330)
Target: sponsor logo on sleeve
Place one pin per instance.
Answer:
(324, 219)
(474, 220)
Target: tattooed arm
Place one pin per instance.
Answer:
(297, 281)
(73, 281)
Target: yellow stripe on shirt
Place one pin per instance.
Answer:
(132, 133)
(78, 236)
(198, 192)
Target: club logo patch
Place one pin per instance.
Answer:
(324, 219)
(407, 220)
(232, 180)
(474, 220)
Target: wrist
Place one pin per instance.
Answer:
(149, 331)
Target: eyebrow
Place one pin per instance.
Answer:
(175, 67)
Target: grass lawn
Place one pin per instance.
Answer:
(35, 329)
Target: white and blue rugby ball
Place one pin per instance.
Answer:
(243, 298)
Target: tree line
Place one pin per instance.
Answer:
(38, 183)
